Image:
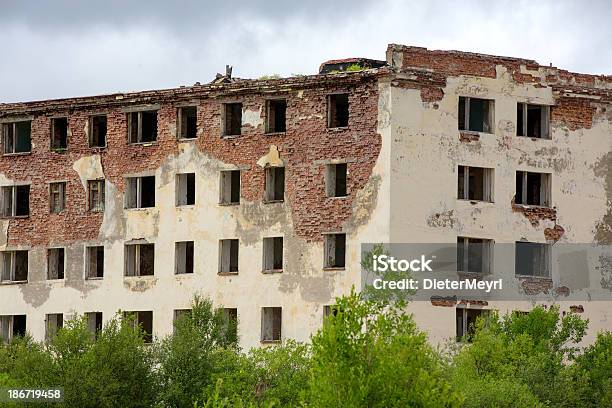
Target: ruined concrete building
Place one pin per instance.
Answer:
(258, 193)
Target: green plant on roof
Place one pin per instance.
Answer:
(266, 77)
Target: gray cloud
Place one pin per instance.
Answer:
(72, 48)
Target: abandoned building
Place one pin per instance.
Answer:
(259, 193)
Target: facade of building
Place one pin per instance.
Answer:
(259, 193)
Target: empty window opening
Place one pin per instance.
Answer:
(94, 322)
(180, 314)
(59, 133)
(17, 137)
(95, 262)
(273, 254)
(276, 116)
(54, 322)
(96, 193)
(532, 259)
(474, 255)
(336, 180)
(337, 110)
(15, 201)
(144, 321)
(329, 310)
(12, 326)
(475, 183)
(184, 257)
(142, 126)
(188, 120)
(533, 188)
(55, 263)
(57, 197)
(476, 114)
(271, 324)
(275, 183)
(533, 120)
(232, 119)
(97, 131)
(140, 259)
(228, 256)
(466, 322)
(230, 319)
(335, 249)
(14, 266)
(140, 192)
(185, 189)
(230, 187)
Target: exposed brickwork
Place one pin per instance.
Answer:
(467, 137)
(535, 214)
(443, 301)
(534, 286)
(554, 234)
(575, 113)
(577, 309)
(306, 143)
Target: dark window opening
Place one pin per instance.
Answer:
(15, 201)
(140, 259)
(96, 193)
(12, 326)
(57, 197)
(335, 249)
(94, 322)
(95, 262)
(184, 257)
(230, 187)
(144, 321)
(273, 254)
(329, 310)
(232, 119)
(474, 255)
(228, 256)
(97, 131)
(142, 127)
(55, 263)
(533, 188)
(59, 133)
(337, 110)
(533, 121)
(230, 326)
(475, 114)
(475, 183)
(532, 259)
(14, 266)
(271, 324)
(55, 322)
(185, 192)
(276, 116)
(188, 120)
(275, 184)
(17, 137)
(140, 192)
(466, 322)
(336, 180)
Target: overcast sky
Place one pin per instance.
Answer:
(66, 48)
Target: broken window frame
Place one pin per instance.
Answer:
(330, 251)
(545, 189)
(487, 183)
(273, 254)
(464, 255)
(133, 260)
(227, 184)
(274, 189)
(7, 327)
(138, 138)
(138, 193)
(228, 250)
(57, 197)
(522, 127)
(271, 116)
(184, 263)
(94, 137)
(9, 258)
(271, 316)
(541, 262)
(56, 141)
(8, 205)
(93, 270)
(60, 263)
(333, 185)
(183, 191)
(96, 195)
(137, 321)
(182, 125)
(488, 124)
(333, 122)
(9, 131)
(53, 323)
(463, 326)
(227, 122)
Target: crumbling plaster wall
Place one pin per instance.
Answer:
(427, 149)
(303, 287)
